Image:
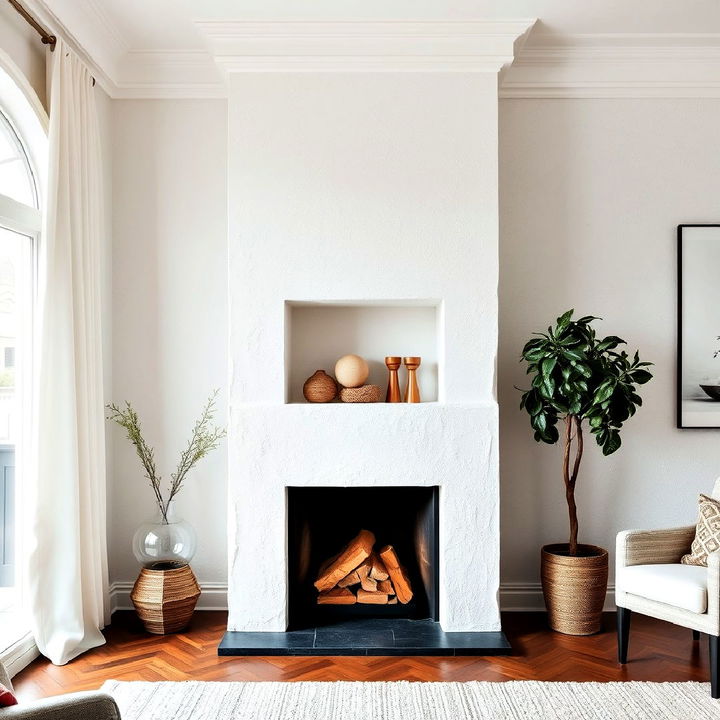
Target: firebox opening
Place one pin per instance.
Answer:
(321, 521)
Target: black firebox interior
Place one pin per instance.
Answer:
(321, 521)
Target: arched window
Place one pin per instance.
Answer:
(23, 161)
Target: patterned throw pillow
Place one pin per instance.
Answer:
(707, 533)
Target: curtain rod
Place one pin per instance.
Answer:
(45, 36)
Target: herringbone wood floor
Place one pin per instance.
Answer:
(658, 651)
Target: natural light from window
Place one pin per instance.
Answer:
(20, 225)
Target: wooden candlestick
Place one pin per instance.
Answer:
(393, 391)
(412, 391)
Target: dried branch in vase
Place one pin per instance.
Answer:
(204, 439)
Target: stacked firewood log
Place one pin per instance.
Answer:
(360, 574)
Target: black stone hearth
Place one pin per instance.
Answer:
(370, 636)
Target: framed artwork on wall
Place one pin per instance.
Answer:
(698, 361)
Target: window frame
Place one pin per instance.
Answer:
(15, 215)
(25, 118)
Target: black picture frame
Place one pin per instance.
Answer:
(682, 282)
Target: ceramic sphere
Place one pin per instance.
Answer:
(351, 371)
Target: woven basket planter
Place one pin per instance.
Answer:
(165, 599)
(574, 587)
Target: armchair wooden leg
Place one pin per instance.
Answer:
(623, 633)
(696, 635)
(714, 666)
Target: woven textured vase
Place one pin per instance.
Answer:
(165, 599)
(574, 587)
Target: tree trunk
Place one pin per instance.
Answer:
(572, 422)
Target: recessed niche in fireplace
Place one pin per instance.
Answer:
(321, 521)
(318, 333)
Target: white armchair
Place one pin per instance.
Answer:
(650, 580)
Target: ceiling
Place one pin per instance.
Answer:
(161, 48)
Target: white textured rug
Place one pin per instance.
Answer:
(515, 700)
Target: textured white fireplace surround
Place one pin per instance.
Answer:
(356, 188)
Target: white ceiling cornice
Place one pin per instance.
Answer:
(169, 74)
(547, 66)
(347, 46)
(616, 66)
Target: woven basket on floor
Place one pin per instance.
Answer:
(574, 587)
(165, 598)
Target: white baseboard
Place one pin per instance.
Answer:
(528, 597)
(213, 597)
(514, 597)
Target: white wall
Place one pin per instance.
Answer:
(23, 45)
(591, 193)
(169, 312)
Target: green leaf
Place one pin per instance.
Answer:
(583, 369)
(539, 422)
(596, 421)
(641, 376)
(609, 343)
(572, 354)
(531, 344)
(533, 404)
(569, 340)
(612, 443)
(551, 435)
(604, 391)
(548, 365)
(547, 388)
(564, 320)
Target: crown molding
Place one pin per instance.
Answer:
(360, 46)
(616, 66)
(620, 65)
(169, 74)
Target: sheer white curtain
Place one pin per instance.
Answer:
(67, 573)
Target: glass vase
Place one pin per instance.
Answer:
(165, 541)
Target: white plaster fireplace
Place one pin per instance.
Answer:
(365, 186)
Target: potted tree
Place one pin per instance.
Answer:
(578, 378)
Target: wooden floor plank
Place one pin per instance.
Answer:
(658, 651)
